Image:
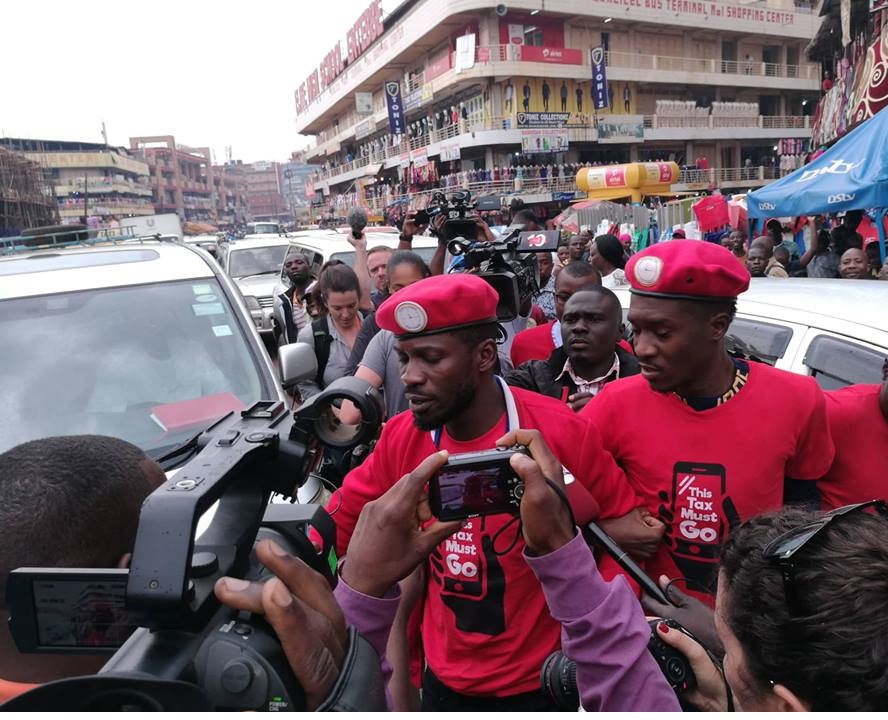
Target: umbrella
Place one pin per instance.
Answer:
(569, 220)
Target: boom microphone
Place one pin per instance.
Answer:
(357, 220)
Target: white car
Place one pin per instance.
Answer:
(254, 264)
(319, 246)
(144, 340)
(835, 330)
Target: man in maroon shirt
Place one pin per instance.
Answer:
(485, 627)
(538, 342)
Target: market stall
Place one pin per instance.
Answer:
(851, 175)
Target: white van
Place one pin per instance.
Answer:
(319, 246)
(835, 330)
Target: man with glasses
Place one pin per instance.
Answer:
(703, 436)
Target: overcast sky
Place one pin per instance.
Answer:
(211, 73)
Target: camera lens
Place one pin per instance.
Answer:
(675, 670)
(558, 678)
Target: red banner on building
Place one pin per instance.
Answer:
(562, 56)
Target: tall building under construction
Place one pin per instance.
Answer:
(26, 196)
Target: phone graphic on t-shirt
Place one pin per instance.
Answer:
(698, 491)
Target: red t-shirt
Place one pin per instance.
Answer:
(532, 344)
(704, 472)
(485, 627)
(860, 432)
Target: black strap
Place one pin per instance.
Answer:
(360, 686)
(322, 341)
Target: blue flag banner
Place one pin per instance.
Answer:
(599, 78)
(395, 107)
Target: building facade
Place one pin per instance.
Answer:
(264, 199)
(185, 181)
(718, 87)
(90, 179)
(292, 178)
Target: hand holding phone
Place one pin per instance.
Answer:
(476, 483)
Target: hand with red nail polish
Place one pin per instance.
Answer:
(709, 695)
(300, 606)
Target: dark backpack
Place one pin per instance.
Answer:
(322, 340)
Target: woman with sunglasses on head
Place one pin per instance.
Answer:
(801, 611)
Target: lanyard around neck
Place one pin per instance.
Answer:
(511, 412)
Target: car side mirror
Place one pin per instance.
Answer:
(297, 362)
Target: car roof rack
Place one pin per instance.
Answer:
(58, 237)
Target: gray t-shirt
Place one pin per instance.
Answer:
(336, 363)
(381, 358)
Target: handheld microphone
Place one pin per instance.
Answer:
(357, 220)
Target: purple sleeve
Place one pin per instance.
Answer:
(603, 629)
(373, 618)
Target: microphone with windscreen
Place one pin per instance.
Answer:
(357, 220)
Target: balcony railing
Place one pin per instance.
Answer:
(578, 133)
(491, 54)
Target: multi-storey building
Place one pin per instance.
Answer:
(181, 177)
(185, 181)
(714, 86)
(90, 179)
(264, 192)
(292, 177)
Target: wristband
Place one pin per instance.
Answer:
(405, 238)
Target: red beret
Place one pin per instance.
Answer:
(687, 269)
(437, 304)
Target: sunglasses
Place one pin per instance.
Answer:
(784, 551)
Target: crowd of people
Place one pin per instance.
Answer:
(709, 468)
(836, 252)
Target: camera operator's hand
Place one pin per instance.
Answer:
(637, 532)
(711, 693)
(438, 223)
(389, 540)
(358, 243)
(410, 228)
(546, 520)
(484, 231)
(300, 606)
(689, 612)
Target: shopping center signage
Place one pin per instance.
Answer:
(701, 9)
(542, 119)
(395, 107)
(365, 31)
(599, 78)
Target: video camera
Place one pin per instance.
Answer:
(457, 225)
(189, 652)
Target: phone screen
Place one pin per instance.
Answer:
(463, 492)
(81, 613)
(698, 490)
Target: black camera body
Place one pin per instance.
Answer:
(509, 265)
(188, 648)
(675, 666)
(456, 207)
(558, 676)
(477, 483)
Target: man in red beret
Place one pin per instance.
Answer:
(705, 439)
(485, 626)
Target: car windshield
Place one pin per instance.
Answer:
(256, 260)
(152, 364)
(265, 228)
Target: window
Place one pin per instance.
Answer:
(256, 261)
(533, 36)
(99, 371)
(835, 363)
(758, 340)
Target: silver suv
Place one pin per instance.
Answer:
(254, 263)
(144, 340)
